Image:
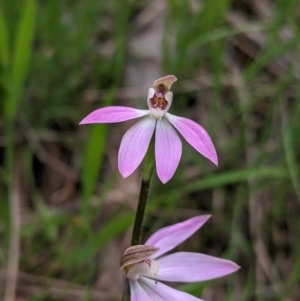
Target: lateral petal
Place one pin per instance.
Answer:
(193, 267)
(113, 114)
(168, 149)
(134, 145)
(169, 237)
(160, 292)
(195, 135)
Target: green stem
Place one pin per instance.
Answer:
(126, 291)
(140, 212)
(147, 171)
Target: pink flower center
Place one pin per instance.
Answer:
(158, 100)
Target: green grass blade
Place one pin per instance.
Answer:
(93, 156)
(270, 54)
(92, 160)
(222, 33)
(290, 153)
(4, 61)
(23, 45)
(4, 44)
(219, 180)
(22, 53)
(213, 14)
(114, 227)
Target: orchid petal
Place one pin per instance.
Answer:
(168, 150)
(193, 267)
(169, 237)
(134, 145)
(137, 292)
(195, 135)
(113, 114)
(158, 291)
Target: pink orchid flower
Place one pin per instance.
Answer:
(145, 267)
(168, 146)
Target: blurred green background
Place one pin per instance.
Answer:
(65, 212)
